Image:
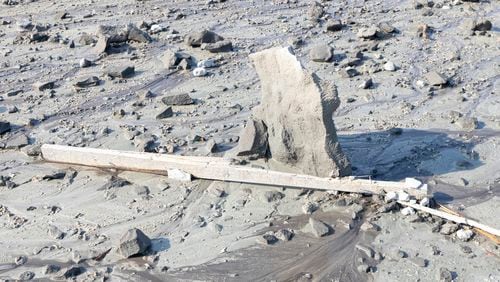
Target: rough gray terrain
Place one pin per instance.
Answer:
(418, 83)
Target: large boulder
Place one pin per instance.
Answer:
(297, 109)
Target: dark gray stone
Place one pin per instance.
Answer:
(177, 100)
(218, 47)
(195, 39)
(167, 113)
(253, 140)
(4, 127)
(121, 71)
(133, 242)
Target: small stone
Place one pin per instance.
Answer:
(27, 275)
(51, 269)
(73, 271)
(321, 53)
(366, 84)
(199, 72)
(369, 252)
(84, 63)
(167, 113)
(133, 242)
(367, 33)
(4, 127)
(42, 86)
(400, 254)
(309, 207)
(284, 234)
(211, 146)
(218, 47)
(435, 78)
(272, 196)
(407, 211)
(55, 232)
(418, 261)
(482, 25)
(467, 123)
(363, 268)
(334, 25)
(20, 260)
(137, 35)
(444, 275)
(177, 100)
(389, 66)
(464, 234)
(391, 196)
(87, 82)
(195, 39)
(403, 196)
(141, 190)
(448, 228)
(267, 239)
(121, 71)
(318, 228)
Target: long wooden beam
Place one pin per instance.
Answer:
(454, 218)
(220, 169)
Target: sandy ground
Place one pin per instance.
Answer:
(199, 233)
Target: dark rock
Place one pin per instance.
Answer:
(121, 71)
(73, 271)
(267, 239)
(444, 275)
(218, 47)
(87, 82)
(42, 86)
(54, 175)
(253, 140)
(334, 25)
(177, 100)
(195, 39)
(167, 113)
(211, 146)
(133, 242)
(27, 275)
(137, 35)
(284, 234)
(4, 127)
(51, 269)
(482, 25)
(272, 196)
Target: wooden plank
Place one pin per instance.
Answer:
(454, 218)
(217, 169)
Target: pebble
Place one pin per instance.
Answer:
(84, 63)
(464, 234)
(389, 66)
(199, 72)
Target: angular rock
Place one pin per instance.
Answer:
(334, 25)
(102, 45)
(284, 234)
(481, 25)
(195, 39)
(55, 232)
(51, 269)
(468, 123)
(168, 112)
(44, 85)
(297, 109)
(87, 82)
(121, 71)
(17, 141)
(321, 53)
(133, 242)
(4, 127)
(369, 252)
(389, 66)
(272, 196)
(444, 275)
(367, 33)
(253, 140)
(211, 146)
(435, 78)
(177, 100)
(112, 34)
(464, 234)
(318, 228)
(448, 228)
(171, 59)
(84, 63)
(267, 239)
(72, 272)
(137, 35)
(218, 47)
(27, 275)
